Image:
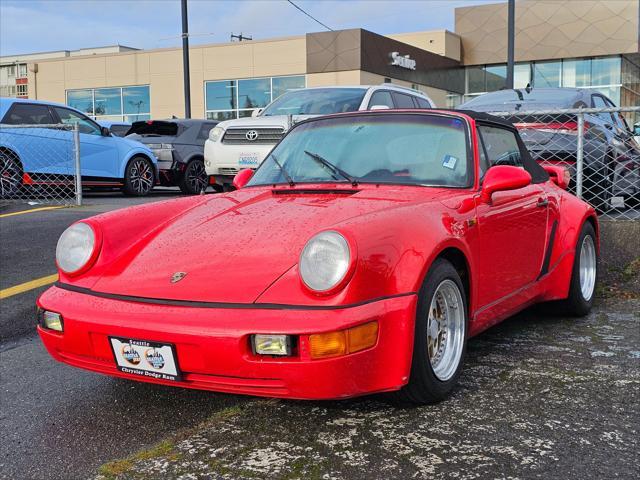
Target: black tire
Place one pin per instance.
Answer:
(139, 177)
(10, 174)
(424, 387)
(195, 179)
(576, 304)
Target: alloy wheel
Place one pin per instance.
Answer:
(10, 176)
(445, 330)
(197, 177)
(141, 176)
(587, 267)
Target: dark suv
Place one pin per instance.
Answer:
(611, 156)
(179, 146)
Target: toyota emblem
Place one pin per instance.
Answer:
(251, 135)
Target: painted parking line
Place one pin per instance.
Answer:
(25, 287)
(41, 209)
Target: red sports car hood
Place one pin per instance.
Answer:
(232, 247)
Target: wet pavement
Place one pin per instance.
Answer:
(540, 397)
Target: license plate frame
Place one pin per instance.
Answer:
(157, 360)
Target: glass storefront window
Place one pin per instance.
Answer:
(576, 73)
(228, 99)
(496, 77)
(136, 100)
(107, 101)
(521, 75)
(221, 95)
(114, 103)
(605, 71)
(475, 79)
(280, 85)
(546, 74)
(254, 93)
(81, 100)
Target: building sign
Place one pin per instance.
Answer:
(403, 62)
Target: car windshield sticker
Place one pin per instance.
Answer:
(449, 162)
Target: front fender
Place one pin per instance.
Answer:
(395, 250)
(132, 152)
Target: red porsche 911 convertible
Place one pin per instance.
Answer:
(358, 258)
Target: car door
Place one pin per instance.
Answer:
(43, 149)
(98, 153)
(512, 227)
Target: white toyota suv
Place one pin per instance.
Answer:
(244, 142)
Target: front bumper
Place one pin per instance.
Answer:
(213, 344)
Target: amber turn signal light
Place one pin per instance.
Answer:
(343, 342)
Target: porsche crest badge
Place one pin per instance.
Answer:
(176, 277)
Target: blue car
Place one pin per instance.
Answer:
(44, 155)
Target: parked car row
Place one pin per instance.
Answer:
(147, 153)
(196, 154)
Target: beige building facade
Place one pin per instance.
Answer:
(559, 43)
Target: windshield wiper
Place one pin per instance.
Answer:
(332, 167)
(284, 171)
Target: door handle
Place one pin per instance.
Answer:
(542, 202)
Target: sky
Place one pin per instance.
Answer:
(28, 26)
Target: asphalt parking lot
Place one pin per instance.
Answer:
(540, 396)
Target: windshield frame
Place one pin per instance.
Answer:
(471, 166)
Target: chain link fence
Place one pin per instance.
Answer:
(595, 146)
(40, 164)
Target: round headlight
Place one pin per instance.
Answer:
(325, 261)
(215, 133)
(75, 247)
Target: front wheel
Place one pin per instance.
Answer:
(583, 276)
(195, 178)
(10, 175)
(139, 177)
(440, 336)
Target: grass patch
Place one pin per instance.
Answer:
(164, 449)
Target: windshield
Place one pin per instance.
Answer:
(374, 148)
(316, 101)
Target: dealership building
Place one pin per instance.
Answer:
(560, 43)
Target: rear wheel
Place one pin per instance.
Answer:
(10, 174)
(440, 336)
(139, 177)
(195, 178)
(583, 276)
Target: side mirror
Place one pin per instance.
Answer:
(501, 178)
(105, 132)
(558, 175)
(242, 177)
(256, 112)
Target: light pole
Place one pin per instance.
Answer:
(510, 42)
(185, 61)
